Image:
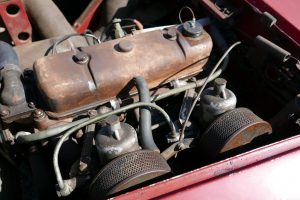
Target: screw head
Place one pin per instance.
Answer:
(81, 58)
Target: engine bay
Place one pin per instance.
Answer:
(143, 92)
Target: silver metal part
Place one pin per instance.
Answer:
(216, 101)
(115, 139)
(119, 33)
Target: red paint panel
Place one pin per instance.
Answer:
(277, 178)
(87, 17)
(16, 21)
(261, 170)
(286, 12)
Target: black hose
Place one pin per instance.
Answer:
(7, 55)
(13, 91)
(146, 137)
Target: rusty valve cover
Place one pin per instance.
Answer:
(75, 81)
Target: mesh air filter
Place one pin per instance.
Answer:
(126, 171)
(231, 130)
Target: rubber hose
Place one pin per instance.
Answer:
(146, 137)
(7, 55)
(12, 88)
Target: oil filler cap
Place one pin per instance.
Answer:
(192, 28)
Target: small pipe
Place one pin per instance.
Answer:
(50, 22)
(12, 89)
(47, 18)
(272, 48)
(146, 137)
(25, 137)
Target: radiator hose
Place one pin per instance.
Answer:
(12, 88)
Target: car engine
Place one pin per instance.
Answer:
(136, 92)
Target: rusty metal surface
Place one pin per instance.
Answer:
(16, 21)
(232, 130)
(38, 50)
(126, 171)
(68, 87)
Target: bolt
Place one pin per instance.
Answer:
(38, 114)
(92, 113)
(31, 105)
(81, 58)
(171, 34)
(125, 46)
(4, 113)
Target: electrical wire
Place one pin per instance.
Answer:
(60, 181)
(203, 86)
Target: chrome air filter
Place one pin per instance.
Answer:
(126, 171)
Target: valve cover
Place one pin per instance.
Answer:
(69, 86)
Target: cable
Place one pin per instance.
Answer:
(186, 7)
(66, 189)
(72, 35)
(202, 88)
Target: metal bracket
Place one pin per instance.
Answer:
(16, 21)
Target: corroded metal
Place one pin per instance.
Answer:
(69, 88)
(231, 130)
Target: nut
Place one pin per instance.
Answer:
(92, 113)
(38, 114)
(81, 58)
(171, 34)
